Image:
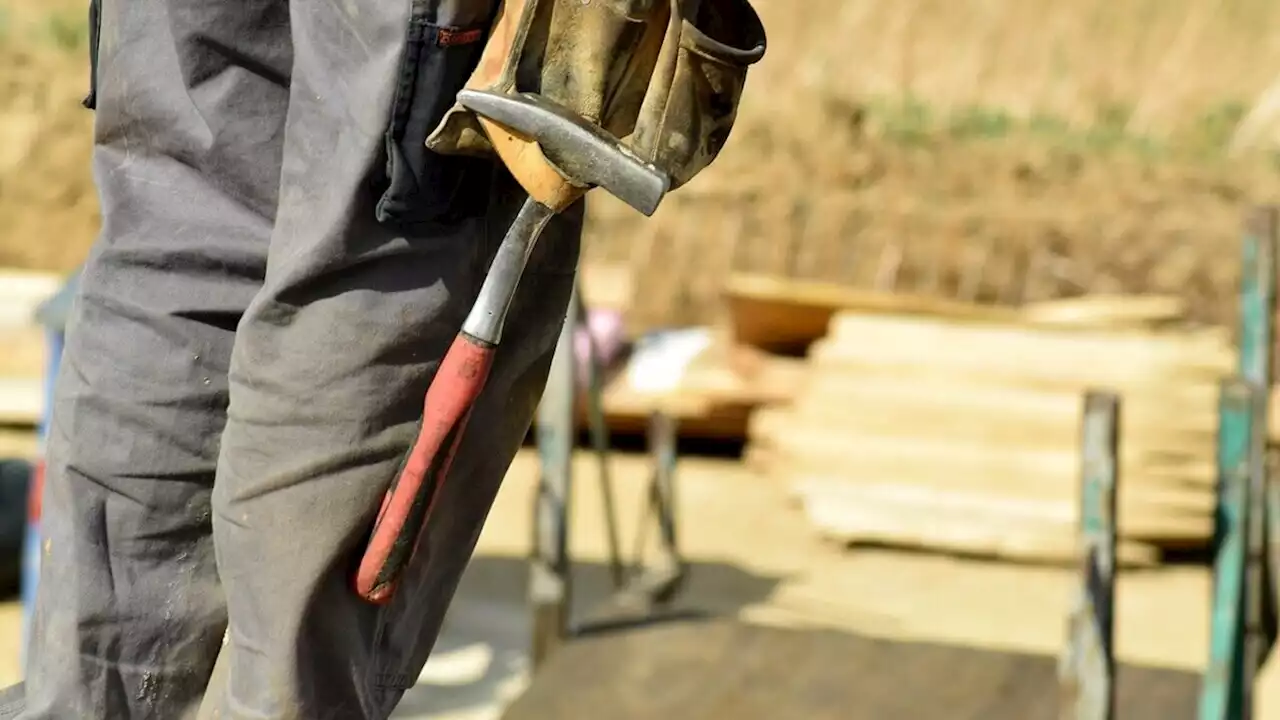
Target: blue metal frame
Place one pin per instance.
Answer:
(1225, 694)
(1242, 630)
(31, 550)
(550, 587)
(550, 577)
(1087, 669)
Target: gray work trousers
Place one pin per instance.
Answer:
(281, 267)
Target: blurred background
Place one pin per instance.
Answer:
(936, 223)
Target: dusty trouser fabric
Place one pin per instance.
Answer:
(280, 269)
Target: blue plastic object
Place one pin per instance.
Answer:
(52, 314)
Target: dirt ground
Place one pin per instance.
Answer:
(746, 540)
(753, 557)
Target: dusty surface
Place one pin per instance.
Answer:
(752, 557)
(706, 670)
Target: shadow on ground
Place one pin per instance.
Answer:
(481, 659)
(721, 668)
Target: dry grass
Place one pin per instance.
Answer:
(48, 205)
(997, 150)
(993, 149)
(1162, 66)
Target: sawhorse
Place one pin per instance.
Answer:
(550, 581)
(1248, 508)
(1247, 527)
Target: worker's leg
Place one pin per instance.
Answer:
(333, 357)
(190, 113)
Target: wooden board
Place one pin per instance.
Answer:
(787, 314)
(942, 399)
(909, 458)
(915, 511)
(21, 401)
(22, 291)
(22, 351)
(1051, 360)
(1109, 311)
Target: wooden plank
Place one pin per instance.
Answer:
(785, 314)
(992, 515)
(22, 351)
(782, 314)
(1144, 493)
(22, 291)
(1025, 355)
(1138, 520)
(972, 528)
(21, 401)
(1155, 430)
(914, 459)
(1107, 311)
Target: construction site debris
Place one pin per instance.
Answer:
(710, 384)
(22, 344)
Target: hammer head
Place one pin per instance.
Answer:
(585, 153)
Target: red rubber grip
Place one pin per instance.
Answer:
(409, 501)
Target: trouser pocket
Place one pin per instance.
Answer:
(95, 31)
(421, 187)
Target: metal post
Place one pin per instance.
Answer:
(599, 433)
(1257, 368)
(1087, 669)
(1258, 360)
(669, 570)
(550, 588)
(1226, 694)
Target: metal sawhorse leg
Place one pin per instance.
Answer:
(1243, 621)
(550, 581)
(1086, 673)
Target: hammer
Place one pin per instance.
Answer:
(557, 156)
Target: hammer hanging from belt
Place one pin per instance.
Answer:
(634, 96)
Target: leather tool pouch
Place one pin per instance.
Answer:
(666, 73)
(693, 94)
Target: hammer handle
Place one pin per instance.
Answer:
(410, 500)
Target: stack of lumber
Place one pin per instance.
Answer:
(22, 345)
(959, 432)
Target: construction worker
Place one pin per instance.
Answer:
(281, 266)
(283, 262)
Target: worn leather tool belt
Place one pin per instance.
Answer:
(664, 75)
